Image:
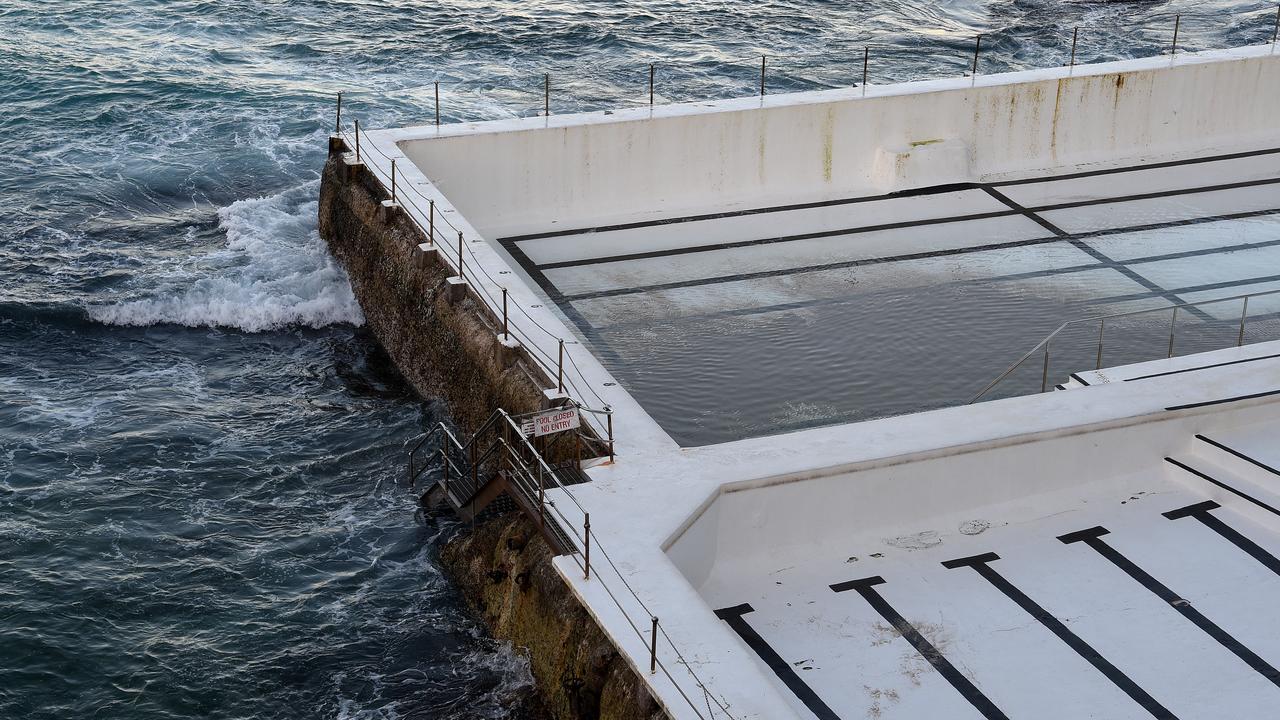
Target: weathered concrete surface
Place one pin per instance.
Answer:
(446, 349)
(503, 568)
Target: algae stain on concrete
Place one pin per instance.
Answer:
(828, 142)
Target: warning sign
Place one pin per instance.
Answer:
(552, 421)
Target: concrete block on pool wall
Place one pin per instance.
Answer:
(351, 167)
(553, 397)
(506, 350)
(922, 163)
(388, 210)
(337, 144)
(457, 289)
(425, 256)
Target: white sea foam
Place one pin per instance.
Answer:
(274, 272)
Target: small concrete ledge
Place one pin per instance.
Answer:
(337, 144)
(388, 210)
(351, 167)
(553, 398)
(426, 256)
(457, 289)
(506, 351)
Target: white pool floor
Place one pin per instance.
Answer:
(1099, 606)
(750, 322)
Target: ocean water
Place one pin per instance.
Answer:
(200, 443)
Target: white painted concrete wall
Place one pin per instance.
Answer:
(806, 146)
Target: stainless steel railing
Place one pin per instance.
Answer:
(1044, 346)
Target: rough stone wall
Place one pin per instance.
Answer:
(446, 350)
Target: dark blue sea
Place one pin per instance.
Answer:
(200, 443)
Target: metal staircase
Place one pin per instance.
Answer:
(500, 461)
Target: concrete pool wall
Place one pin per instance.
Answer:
(803, 147)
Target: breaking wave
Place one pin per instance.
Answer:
(274, 272)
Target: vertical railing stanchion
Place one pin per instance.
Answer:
(653, 647)
(337, 126)
(393, 179)
(1177, 24)
(546, 95)
(977, 47)
(866, 59)
(437, 103)
(762, 76)
(1075, 35)
(542, 500)
(431, 222)
(1044, 374)
(1244, 312)
(460, 274)
(444, 462)
(1102, 329)
(651, 72)
(560, 369)
(1173, 324)
(357, 139)
(609, 422)
(586, 546)
(505, 335)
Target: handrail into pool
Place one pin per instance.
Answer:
(1102, 326)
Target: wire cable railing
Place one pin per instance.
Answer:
(531, 476)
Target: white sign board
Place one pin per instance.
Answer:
(554, 421)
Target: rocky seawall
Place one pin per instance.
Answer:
(447, 348)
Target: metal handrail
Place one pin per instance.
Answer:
(1102, 321)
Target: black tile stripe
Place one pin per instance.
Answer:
(1093, 538)
(1206, 367)
(1233, 451)
(1238, 493)
(1221, 401)
(1201, 511)
(781, 668)
(1077, 378)
(1055, 626)
(865, 588)
(1136, 168)
(840, 232)
(1158, 194)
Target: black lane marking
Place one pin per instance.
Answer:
(1158, 194)
(1077, 378)
(1235, 452)
(781, 668)
(1238, 493)
(1200, 511)
(1136, 168)
(1107, 262)
(1093, 538)
(1206, 367)
(690, 249)
(865, 588)
(1093, 252)
(915, 192)
(1054, 625)
(1224, 400)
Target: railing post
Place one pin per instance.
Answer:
(586, 544)
(357, 139)
(546, 95)
(1102, 328)
(542, 500)
(560, 368)
(762, 76)
(444, 461)
(651, 73)
(1177, 24)
(866, 59)
(653, 647)
(464, 277)
(504, 314)
(1075, 34)
(337, 126)
(1044, 374)
(437, 103)
(977, 47)
(608, 417)
(475, 471)
(1244, 312)
(431, 222)
(393, 179)
(1172, 325)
